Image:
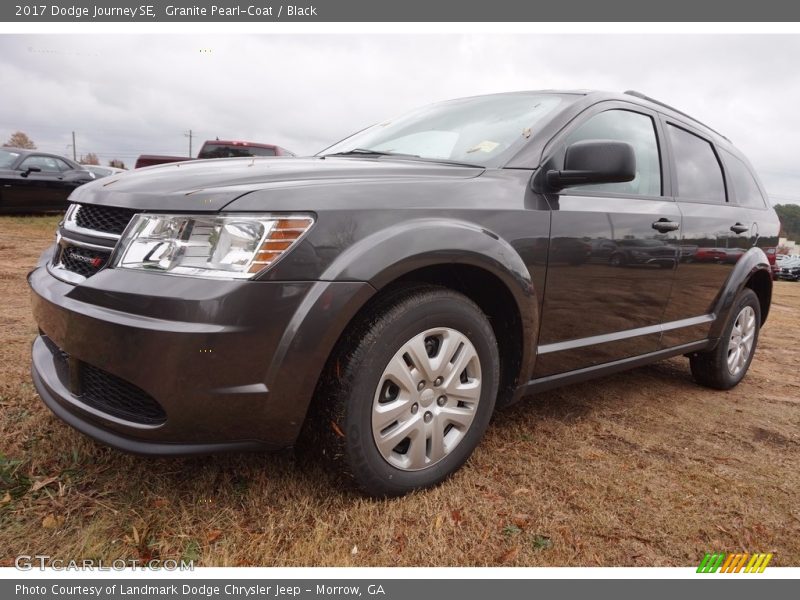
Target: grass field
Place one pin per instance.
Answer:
(642, 468)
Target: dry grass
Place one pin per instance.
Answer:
(643, 468)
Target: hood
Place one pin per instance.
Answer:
(209, 185)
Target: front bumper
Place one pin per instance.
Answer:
(232, 365)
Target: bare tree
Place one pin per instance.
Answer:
(20, 139)
(89, 159)
(116, 163)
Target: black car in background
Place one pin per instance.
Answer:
(33, 181)
(789, 270)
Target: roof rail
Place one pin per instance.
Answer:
(642, 96)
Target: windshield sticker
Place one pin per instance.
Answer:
(484, 146)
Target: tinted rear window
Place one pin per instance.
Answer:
(231, 151)
(745, 187)
(698, 169)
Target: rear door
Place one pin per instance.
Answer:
(613, 250)
(715, 232)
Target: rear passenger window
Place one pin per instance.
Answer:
(698, 169)
(639, 131)
(745, 187)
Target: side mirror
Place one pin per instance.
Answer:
(30, 170)
(594, 161)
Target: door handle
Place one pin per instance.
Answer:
(664, 225)
(739, 228)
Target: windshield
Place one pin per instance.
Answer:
(7, 158)
(482, 130)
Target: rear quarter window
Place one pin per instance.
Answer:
(745, 189)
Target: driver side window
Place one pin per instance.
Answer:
(45, 163)
(624, 126)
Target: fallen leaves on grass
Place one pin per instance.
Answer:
(509, 555)
(52, 521)
(213, 535)
(41, 483)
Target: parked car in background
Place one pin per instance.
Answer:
(772, 257)
(230, 149)
(100, 171)
(151, 160)
(217, 149)
(789, 269)
(33, 181)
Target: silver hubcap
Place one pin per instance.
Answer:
(740, 345)
(426, 399)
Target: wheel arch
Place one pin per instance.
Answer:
(459, 255)
(752, 271)
(497, 302)
(455, 255)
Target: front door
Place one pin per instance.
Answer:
(613, 252)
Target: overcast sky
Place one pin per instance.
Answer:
(126, 95)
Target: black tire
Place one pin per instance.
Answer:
(711, 368)
(341, 426)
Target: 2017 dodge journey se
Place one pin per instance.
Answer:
(380, 300)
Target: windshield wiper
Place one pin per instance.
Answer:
(369, 152)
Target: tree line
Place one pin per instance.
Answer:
(789, 214)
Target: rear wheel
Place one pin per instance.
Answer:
(726, 365)
(415, 391)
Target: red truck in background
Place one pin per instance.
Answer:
(217, 149)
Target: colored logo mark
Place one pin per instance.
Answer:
(734, 563)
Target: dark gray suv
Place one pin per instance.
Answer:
(379, 300)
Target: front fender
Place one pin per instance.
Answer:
(365, 268)
(751, 262)
(403, 248)
(390, 253)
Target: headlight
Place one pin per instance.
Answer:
(222, 247)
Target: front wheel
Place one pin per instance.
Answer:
(726, 365)
(410, 398)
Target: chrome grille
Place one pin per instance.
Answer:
(87, 238)
(104, 219)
